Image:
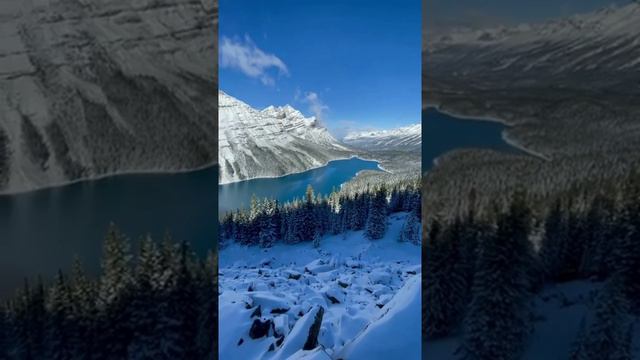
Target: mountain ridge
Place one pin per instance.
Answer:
(271, 142)
(402, 138)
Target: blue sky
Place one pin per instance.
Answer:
(443, 13)
(354, 63)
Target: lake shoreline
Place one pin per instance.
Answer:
(504, 133)
(488, 118)
(284, 189)
(109, 175)
(309, 169)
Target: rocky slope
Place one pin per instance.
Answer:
(270, 142)
(92, 88)
(363, 296)
(405, 138)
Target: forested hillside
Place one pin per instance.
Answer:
(159, 304)
(267, 222)
(485, 275)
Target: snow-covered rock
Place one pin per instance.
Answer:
(270, 142)
(401, 321)
(360, 304)
(304, 335)
(317, 354)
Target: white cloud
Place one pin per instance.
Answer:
(245, 56)
(316, 106)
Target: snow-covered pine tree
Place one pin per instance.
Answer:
(208, 307)
(226, 227)
(20, 325)
(606, 336)
(395, 201)
(35, 317)
(627, 255)
(577, 240)
(497, 320)
(83, 293)
(377, 219)
(473, 233)
(60, 321)
(180, 329)
(114, 295)
(554, 247)
(306, 220)
(411, 229)
(277, 220)
(316, 239)
(267, 235)
(446, 282)
(144, 311)
(358, 209)
(596, 237)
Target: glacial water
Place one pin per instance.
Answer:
(286, 188)
(442, 133)
(42, 231)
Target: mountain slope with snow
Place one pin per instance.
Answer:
(92, 88)
(405, 138)
(271, 142)
(581, 51)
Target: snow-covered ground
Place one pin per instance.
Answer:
(362, 298)
(558, 312)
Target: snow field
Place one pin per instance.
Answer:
(367, 294)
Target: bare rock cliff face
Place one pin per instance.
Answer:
(92, 88)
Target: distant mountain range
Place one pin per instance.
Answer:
(271, 142)
(584, 51)
(407, 138)
(92, 88)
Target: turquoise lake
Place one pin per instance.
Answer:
(442, 133)
(42, 231)
(286, 188)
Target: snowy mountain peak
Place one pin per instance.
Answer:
(403, 131)
(607, 21)
(270, 142)
(287, 112)
(403, 138)
(591, 51)
(227, 100)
